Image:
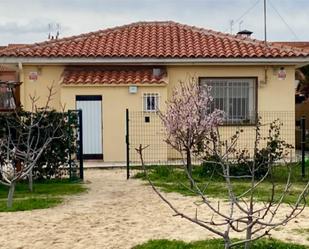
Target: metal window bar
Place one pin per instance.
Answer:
(151, 102)
(236, 97)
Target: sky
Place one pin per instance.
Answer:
(26, 21)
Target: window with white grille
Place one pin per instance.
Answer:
(151, 102)
(236, 97)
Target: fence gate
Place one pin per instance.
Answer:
(75, 149)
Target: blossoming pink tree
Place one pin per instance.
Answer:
(189, 118)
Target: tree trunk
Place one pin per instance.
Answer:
(10, 195)
(30, 176)
(189, 166)
(227, 244)
(248, 234)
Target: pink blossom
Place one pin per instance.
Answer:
(189, 117)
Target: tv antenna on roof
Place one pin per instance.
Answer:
(231, 26)
(239, 25)
(53, 31)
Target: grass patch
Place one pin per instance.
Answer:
(173, 179)
(45, 194)
(215, 244)
(30, 204)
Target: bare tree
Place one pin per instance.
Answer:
(244, 215)
(24, 142)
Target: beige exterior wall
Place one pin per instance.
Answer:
(115, 100)
(274, 95)
(275, 98)
(47, 76)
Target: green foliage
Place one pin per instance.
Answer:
(215, 244)
(275, 150)
(163, 171)
(236, 169)
(56, 155)
(305, 71)
(47, 193)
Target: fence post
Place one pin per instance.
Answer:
(80, 151)
(303, 144)
(69, 144)
(127, 144)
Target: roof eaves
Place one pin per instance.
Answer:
(153, 61)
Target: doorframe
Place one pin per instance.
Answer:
(93, 98)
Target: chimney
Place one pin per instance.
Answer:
(244, 33)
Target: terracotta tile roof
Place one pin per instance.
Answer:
(154, 40)
(88, 75)
(301, 44)
(13, 45)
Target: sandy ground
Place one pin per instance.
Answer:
(115, 213)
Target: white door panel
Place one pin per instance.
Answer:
(92, 125)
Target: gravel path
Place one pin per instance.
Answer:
(115, 213)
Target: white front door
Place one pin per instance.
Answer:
(91, 106)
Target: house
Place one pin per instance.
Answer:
(136, 66)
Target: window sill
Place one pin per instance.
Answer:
(154, 111)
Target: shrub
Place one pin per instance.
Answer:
(275, 150)
(56, 155)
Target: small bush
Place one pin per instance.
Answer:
(236, 169)
(56, 155)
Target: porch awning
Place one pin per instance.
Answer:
(106, 76)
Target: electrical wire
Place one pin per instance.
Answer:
(245, 13)
(283, 20)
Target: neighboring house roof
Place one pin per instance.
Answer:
(153, 40)
(13, 45)
(301, 44)
(97, 75)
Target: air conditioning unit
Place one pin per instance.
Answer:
(157, 72)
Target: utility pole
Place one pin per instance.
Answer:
(265, 23)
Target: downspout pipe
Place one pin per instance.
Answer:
(22, 93)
